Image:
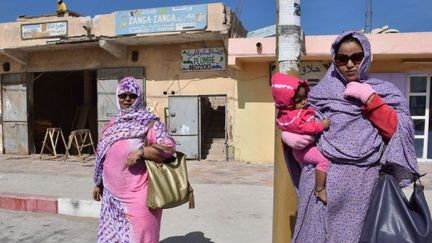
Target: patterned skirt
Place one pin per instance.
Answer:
(113, 225)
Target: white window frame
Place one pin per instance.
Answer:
(426, 114)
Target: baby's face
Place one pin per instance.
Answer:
(300, 98)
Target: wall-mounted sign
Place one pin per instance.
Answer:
(204, 59)
(44, 30)
(268, 31)
(191, 17)
(313, 70)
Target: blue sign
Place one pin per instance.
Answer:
(268, 31)
(181, 18)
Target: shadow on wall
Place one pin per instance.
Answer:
(193, 237)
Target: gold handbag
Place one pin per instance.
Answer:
(168, 184)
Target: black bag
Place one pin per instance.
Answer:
(392, 218)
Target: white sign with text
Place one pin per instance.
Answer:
(204, 59)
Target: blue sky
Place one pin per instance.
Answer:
(318, 16)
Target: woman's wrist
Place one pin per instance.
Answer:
(141, 149)
(369, 100)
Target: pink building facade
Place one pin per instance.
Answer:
(404, 59)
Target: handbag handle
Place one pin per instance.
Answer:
(416, 181)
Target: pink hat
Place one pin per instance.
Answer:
(283, 89)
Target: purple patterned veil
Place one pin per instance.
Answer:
(351, 138)
(129, 123)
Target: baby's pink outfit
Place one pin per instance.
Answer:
(309, 155)
(299, 121)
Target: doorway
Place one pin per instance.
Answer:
(198, 125)
(63, 99)
(213, 128)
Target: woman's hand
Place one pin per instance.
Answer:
(297, 141)
(134, 157)
(97, 193)
(361, 91)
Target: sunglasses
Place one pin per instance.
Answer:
(130, 95)
(342, 59)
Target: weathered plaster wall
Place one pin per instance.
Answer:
(255, 114)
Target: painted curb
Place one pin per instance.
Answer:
(32, 203)
(48, 204)
(79, 208)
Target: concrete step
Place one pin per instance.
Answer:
(214, 147)
(218, 134)
(214, 150)
(208, 136)
(216, 157)
(218, 141)
(213, 143)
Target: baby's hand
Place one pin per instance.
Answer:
(297, 141)
(325, 123)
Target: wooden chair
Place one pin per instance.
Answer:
(53, 133)
(80, 139)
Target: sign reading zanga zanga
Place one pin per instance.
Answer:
(204, 59)
(152, 20)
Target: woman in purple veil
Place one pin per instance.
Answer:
(120, 176)
(371, 127)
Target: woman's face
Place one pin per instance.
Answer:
(348, 60)
(126, 100)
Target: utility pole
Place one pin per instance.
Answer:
(288, 49)
(368, 16)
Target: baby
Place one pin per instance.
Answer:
(290, 96)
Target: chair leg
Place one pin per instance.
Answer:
(77, 146)
(51, 136)
(84, 142)
(64, 143)
(43, 144)
(92, 144)
(69, 145)
(57, 135)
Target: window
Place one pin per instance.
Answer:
(420, 103)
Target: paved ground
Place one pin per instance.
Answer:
(233, 199)
(29, 227)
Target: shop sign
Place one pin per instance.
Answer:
(44, 30)
(181, 18)
(313, 70)
(204, 59)
(268, 31)
(309, 70)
